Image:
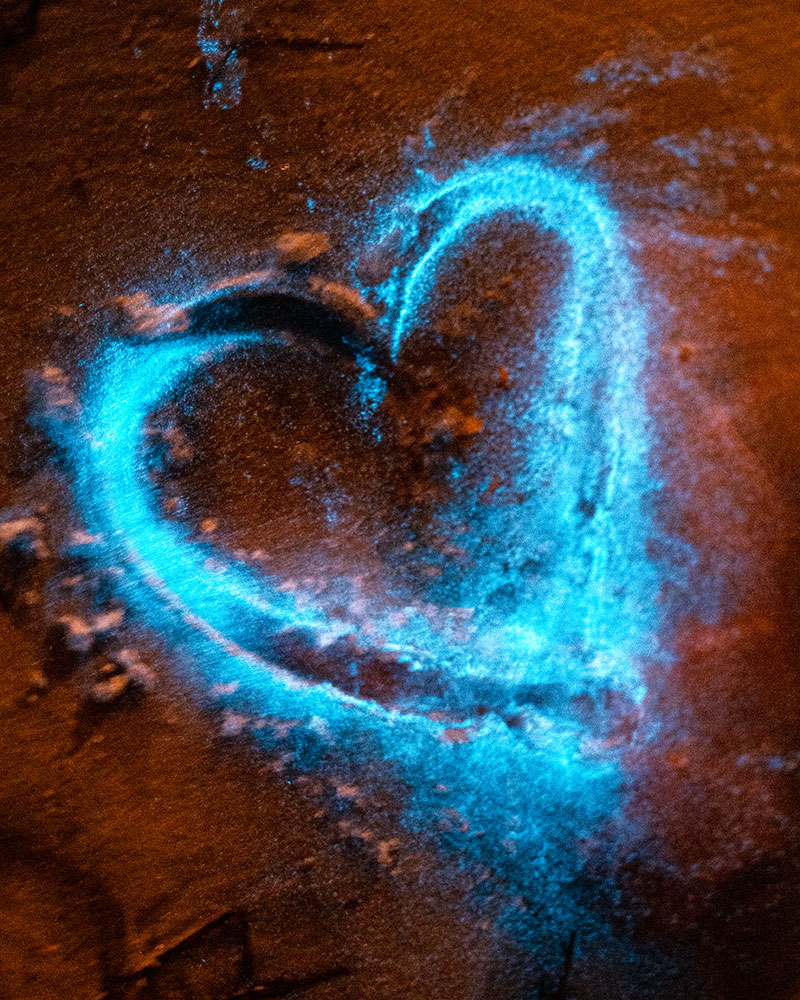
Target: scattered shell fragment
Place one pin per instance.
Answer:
(301, 247)
(109, 689)
(152, 319)
(246, 280)
(347, 300)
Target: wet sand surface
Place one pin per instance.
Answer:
(160, 852)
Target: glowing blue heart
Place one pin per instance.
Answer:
(600, 592)
(588, 434)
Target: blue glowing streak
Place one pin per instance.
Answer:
(587, 423)
(158, 552)
(596, 618)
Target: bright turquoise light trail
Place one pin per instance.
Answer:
(585, 471)
(586, 425)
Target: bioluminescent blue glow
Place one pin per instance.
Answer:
(586, 427)
(533, 790)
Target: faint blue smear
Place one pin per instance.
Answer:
(216, 36)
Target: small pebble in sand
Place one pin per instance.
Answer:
(300, 247)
